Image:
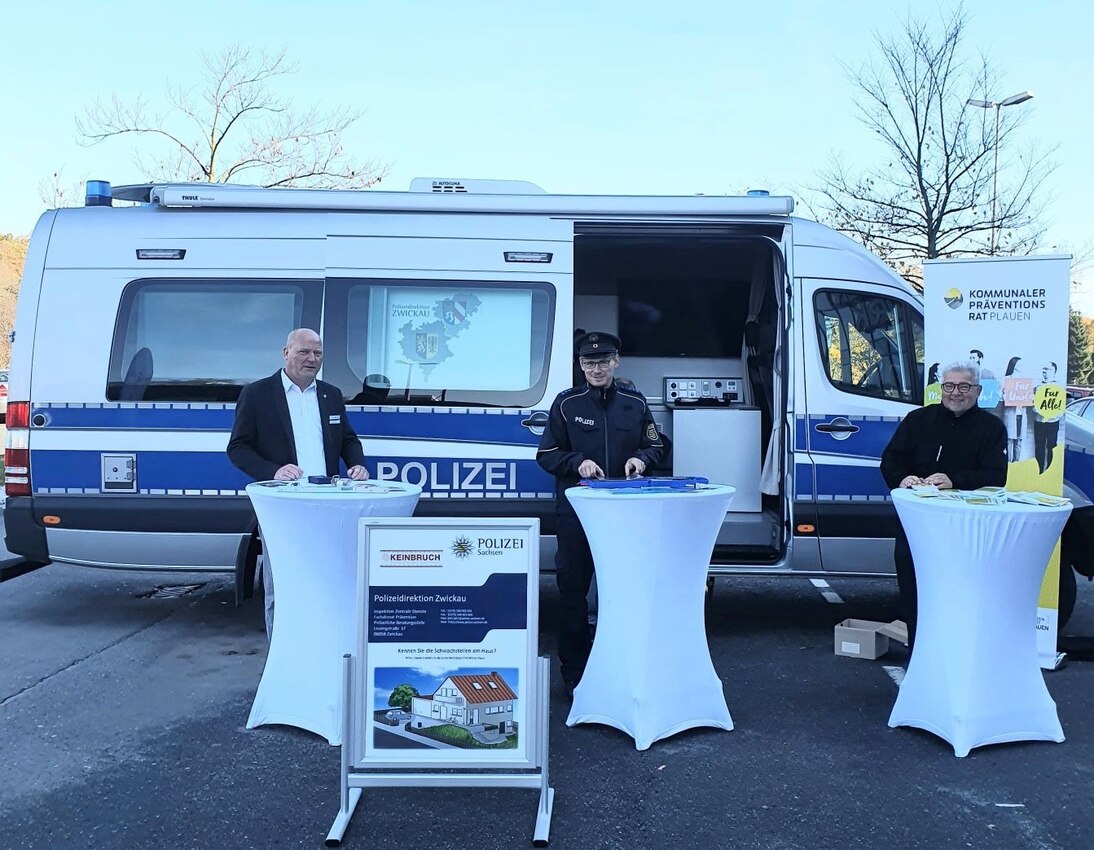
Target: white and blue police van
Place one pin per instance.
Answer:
(777, 355)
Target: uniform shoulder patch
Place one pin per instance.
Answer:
(651, 433)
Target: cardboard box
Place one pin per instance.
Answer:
(867, 638)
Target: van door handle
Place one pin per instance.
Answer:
(536, 423)
(840, 428)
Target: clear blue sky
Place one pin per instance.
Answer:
(615, 96)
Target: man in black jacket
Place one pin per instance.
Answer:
(600, 429)
(955, 444)
(290, 426)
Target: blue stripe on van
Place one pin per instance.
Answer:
(869, 442)
(465, 426)
(839, 481)
(115, 418)
(470, 427)
(803, 481)
(54, 469)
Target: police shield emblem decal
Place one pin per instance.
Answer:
(426, 345)
(454, 310)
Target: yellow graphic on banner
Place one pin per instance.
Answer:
(1049, 597)
(1049, 401)
(933, 394)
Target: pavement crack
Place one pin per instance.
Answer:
(78, 661)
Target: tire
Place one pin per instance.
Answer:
(246, 564)
(1068, 592)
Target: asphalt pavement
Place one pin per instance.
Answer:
(122, 716)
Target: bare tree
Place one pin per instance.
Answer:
(56, 192)
(13, 254)
(233, 127)
(933, 194)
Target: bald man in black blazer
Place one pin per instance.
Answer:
(266, 442)
(263, 443)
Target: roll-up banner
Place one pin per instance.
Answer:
(1009, 315)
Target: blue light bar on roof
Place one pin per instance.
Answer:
(97, 194)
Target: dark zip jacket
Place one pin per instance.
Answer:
(608, 426)
(971, 449)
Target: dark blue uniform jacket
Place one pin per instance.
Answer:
(607, 426)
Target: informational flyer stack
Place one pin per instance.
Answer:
(990, 496)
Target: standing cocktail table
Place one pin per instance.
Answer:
(309, 533)
(650, 673)
(974, 677)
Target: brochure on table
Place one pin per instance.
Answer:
(447, 643)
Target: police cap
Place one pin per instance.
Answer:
(597, 344)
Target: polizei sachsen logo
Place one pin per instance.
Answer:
(461, 547)
(497, 545)
(464, 546)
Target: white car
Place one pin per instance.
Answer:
(1083, 408)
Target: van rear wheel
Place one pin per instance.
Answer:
(246, 566)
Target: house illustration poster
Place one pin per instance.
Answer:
(467, 701)
(460, 708)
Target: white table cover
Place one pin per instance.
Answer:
(309, 533)
(650, 673)
(974, 677)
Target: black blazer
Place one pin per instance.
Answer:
(262, 439)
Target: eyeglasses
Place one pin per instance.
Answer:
(962, 388)
(594, 365)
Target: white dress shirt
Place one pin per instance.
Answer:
(307, 427)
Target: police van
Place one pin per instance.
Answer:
(777, 355)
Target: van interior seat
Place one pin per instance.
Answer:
(374, 390)
(137, 377)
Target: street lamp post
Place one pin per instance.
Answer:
(1013, 100)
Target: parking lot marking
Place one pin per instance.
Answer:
(826, 591)
(895, 673)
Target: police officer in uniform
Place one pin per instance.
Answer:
(600, 429)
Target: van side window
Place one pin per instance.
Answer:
(188, 340)
(438, 342)
(870, 345)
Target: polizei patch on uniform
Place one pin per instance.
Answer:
(584, 421)
(651, 432)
